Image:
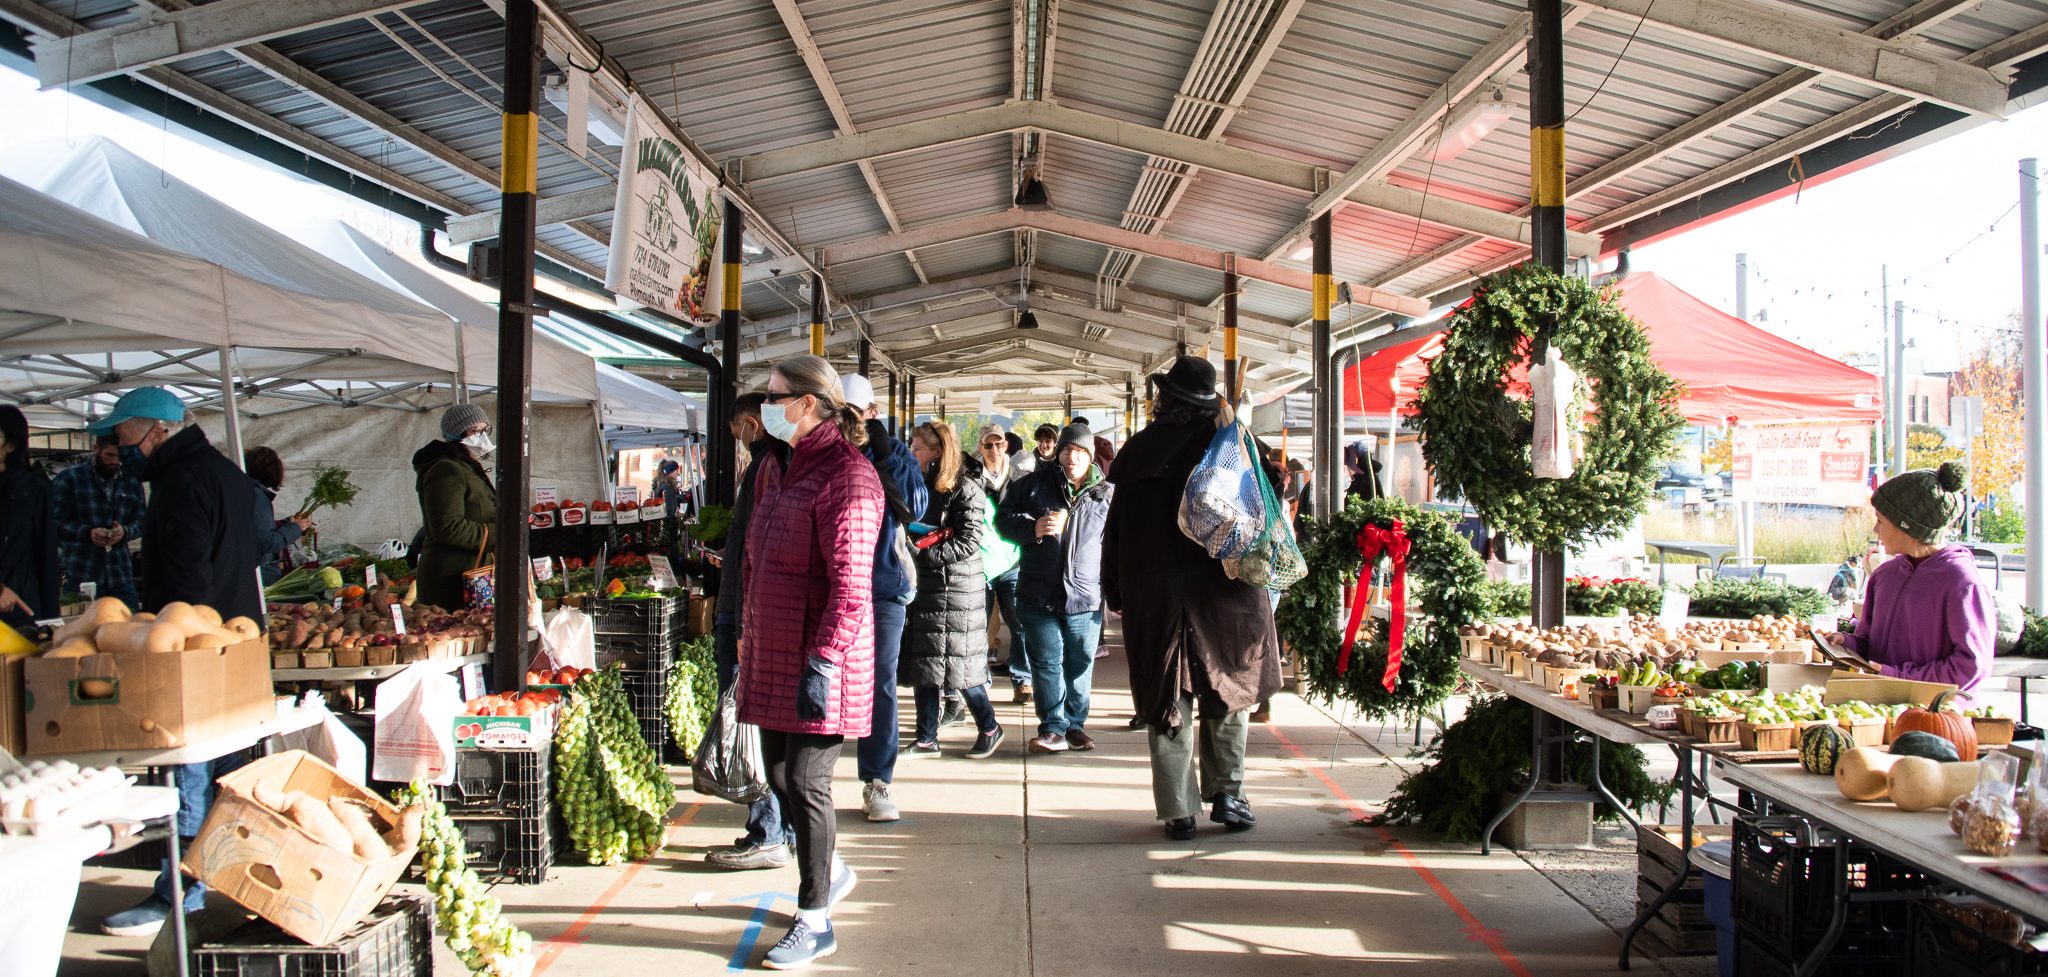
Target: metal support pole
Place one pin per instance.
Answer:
(1328, 480)
(817, 314)
(867, 360)
(1547, 229)
(1899, 409)
(231, 429)
(518, 186)
(894, 402)
(2035, 371)
(724, 452)
(910, 403)
(1232, 382)
(1745, 510)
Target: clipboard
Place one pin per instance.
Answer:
(1842, 657)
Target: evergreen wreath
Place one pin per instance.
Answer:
(1476, 438)
(1448, 578)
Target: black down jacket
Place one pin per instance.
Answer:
(945, 642)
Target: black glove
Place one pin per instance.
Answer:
(814, 688)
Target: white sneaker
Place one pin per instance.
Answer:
(876, 803)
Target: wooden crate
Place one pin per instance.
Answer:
(1683, 944)
(1657, 852)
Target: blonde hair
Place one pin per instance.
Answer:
(812, 376)
(948, 446)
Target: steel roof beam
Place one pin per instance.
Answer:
(1007, 334)
(1090, 127)
(154, 39)
(1801, 41)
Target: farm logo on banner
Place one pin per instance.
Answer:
(1823, 464)
(665, 223)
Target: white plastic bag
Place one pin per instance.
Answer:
(330, 739)
(416, 712)
(568, 639)
(1221, 508)
(1553, 388)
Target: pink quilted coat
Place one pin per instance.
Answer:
(809, 587)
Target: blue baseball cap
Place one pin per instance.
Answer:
(154, 403)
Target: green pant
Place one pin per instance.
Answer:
(1174, 791)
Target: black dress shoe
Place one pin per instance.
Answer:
(1232, 813)
(1181, 829)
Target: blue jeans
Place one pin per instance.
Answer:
(877, 751)
(765, 823)
(1003, 597)
(196, 788)
(1063, 665)
(928, 711)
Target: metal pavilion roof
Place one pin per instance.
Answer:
(887, 137)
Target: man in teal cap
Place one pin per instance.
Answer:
(198, 546)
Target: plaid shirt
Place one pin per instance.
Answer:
(85, 502)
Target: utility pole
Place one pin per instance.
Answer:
(1745, 509)
(2036, 387)
(1885, 405)
(1547, 232)
(1899, 411)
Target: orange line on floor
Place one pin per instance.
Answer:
(574, 934)
(1474, 929)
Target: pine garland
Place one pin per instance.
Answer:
(1476, 438)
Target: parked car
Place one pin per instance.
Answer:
(1675, 479)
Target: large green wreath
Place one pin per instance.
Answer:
(1444, 573)
(1476, 438)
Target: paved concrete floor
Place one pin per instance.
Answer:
(1035, 865)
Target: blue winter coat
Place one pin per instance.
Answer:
(902, 481)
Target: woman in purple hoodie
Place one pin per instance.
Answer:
(1926, 616)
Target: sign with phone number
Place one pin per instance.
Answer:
(1812, 464)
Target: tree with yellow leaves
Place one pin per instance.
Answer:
(1992, 372)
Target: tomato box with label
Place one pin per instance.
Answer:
(144, 699)
(271, 863)
(505, 732)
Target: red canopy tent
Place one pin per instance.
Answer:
(1728, 367)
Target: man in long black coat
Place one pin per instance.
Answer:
(1197, 642)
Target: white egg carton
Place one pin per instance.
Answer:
(42, 797)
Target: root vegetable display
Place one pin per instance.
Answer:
(471, 922)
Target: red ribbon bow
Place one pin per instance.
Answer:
(1372, 541)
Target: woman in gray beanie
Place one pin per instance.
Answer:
(1926, 615)
(458, 504)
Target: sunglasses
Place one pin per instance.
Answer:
(779, 398)
(993, 443)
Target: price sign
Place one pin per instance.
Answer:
(664, 575)
(1672, 613)
(369, 575)
(545, 494)
(543, 568)
(337, 602)
(472, 680)
(398, 618)
(626, 493)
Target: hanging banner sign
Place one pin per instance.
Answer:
(1819, 464)
(665, 224)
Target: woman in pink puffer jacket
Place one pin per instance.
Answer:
(807, 660)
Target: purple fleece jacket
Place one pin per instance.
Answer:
(1930, 620)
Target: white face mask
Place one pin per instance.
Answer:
(480, 443)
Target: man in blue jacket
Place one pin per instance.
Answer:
(1056, 516)
(895, 585)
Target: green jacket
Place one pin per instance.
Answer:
(458, 507)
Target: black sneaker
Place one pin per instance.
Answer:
(1181, 829)
(985, 744)
(954, 715)
(743, 856)
(800, 948)
(921, 749)
(1233, 813)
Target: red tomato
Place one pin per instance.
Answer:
(567, 676)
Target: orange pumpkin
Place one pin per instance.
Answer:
(1951, 726)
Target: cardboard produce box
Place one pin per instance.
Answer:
(272, 867)
(12, 711)
(1879, 690)
(158, 700)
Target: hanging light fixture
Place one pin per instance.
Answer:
(1031, 193)
(1025, 320)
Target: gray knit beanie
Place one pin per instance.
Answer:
(1923, 502)
(457, 420)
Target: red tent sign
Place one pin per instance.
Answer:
(1821, 464)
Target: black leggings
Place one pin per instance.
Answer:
(800, 772)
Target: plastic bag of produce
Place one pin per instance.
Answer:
(1553, 387)
(728, 762)
(330, 740)
(416, 712)
(568, 639)
(1221, 507)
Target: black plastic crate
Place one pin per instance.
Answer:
(507, 848)
(654, 615)
(397, 940)
(649, 693)
(509, 781)
(1753, 959)
(1784, 890)
(638, 652)
(1945, 946)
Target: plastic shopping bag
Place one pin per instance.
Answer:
(330, 740)
(1553, 388)
(728, 763)
(416, 712)
(1222, 508)
(567, 639)
(1274, 560)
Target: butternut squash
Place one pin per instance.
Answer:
(136, 637)
(106, 610)
(242, 628)
(209, 640)
(1920, 784)
(207, 613)
(72, 648)
(1860, 774)
(184, 615)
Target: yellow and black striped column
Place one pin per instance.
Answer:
(725, 453)
(1546, 231)
(1231, 380)
(817, 314)
(1329, 465)
(517, 187)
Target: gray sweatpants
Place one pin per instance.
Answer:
(1174, 784)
